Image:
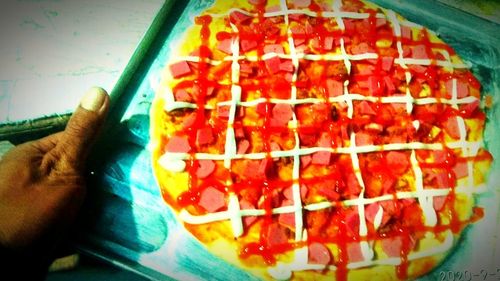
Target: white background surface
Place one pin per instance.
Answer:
(52, 51)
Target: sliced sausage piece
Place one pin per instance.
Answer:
(180, 69)
(418, 69)
(276, 236)
(273, 64)
(438, 202)
(468, 109)
(397, 161)
(440, 156)
(247, 220)
(442, 179)
(275, 146)
(287, 219)
(321, 158)
(247, 45)
(282, 113)
(451, 127)
(334, 88)
(419, 52)
(371, 212)
(325, 140)
(352, 223)
(388, 184)
(354, 253)
(239, 132)
(390, 207)
(256, 169)
(189, 121)
(380, 22)
(274, 48)
(406, 32)
(387, 63)
(225, 46)
(178, 144)
(305, 160)
(389, 85)
(461, 169)
(328, 190)
(394, 245)
(223, 111)
(361, 48)
(212, 199)
(353, 187)
(286, 66)
(366, 109)
(261, 108)
(238, 17)
(327, 43)
(462, 89)
(182, 95)
(307, 139)
(204, 136)
(301, 3)
(243, 146)
(251, 168)
(318, 254)
(298, 32)
(288, 192)
(205, 168)
(363, 139)
(406, 51)
(263, 167)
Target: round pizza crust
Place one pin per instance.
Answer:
(178, 148)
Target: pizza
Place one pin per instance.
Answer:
(314, 139)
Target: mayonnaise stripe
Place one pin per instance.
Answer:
(297, 201)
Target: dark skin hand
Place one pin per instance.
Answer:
(42, 187)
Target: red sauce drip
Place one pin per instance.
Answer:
(192, 195)
(343, 258)
(372, 31)
(267, 253)
(402, 268)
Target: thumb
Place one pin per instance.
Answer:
(83, 127)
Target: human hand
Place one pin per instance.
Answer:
(42, 185)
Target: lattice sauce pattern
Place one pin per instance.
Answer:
(351, 147)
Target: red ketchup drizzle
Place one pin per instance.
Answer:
(343, 258)
(261, 248)
(192, 195)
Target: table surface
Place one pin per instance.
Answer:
(51, 52)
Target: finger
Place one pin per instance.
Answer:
(82, 128)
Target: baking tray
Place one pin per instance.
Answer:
(126, 223)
